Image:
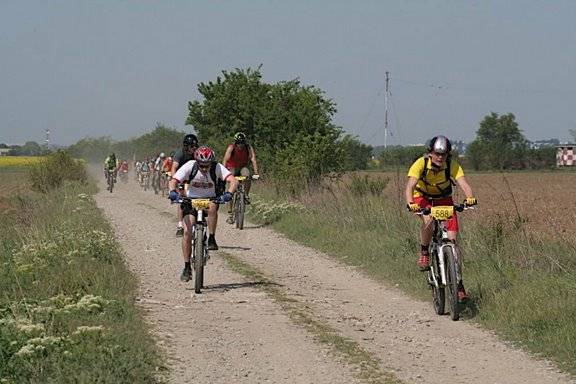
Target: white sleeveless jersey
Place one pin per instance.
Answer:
(202, 185)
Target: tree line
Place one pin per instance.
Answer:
(290, 126)
(499, 145)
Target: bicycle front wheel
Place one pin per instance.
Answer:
(198, 250)
(452, 283)
(438, 292)
(240, 208)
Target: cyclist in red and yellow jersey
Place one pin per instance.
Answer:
(430, 181)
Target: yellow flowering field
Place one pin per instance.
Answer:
(19, 161)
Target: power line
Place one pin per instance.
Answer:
(484, 89)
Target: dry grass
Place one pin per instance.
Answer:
(539, 203)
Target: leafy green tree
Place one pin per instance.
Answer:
(541, 158)
(398, 156)
(357, 154)
(288, 124)
(161, 139)
(499, 144)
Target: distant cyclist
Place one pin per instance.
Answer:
(237, 157)
(181, 157)
(157, 171)
(110, 165)
(429, 184)
(202, 184)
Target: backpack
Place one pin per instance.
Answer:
(220, 185)
(443, 192)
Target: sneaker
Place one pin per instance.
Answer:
(246, 200)
(230, 220)
(462, 295)
(212, 246)
(179, 231)
(423, 262)
(186, 274)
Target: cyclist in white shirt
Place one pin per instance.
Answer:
(203, 175)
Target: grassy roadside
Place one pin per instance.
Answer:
(521, 286)
(67, 310)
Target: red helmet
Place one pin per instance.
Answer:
(204, 155)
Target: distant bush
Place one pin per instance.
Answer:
(51, 172)
(365, 185)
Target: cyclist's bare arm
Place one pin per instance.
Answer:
(227, 155)
(252, 154)
(174, 167)
(410, 185)
(463, 183)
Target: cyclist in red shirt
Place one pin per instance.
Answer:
(237, 157)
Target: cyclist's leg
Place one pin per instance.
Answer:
(234, 172)
(188, 222)
(212, 220)
(245, 171)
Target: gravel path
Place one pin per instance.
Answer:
(234, 332)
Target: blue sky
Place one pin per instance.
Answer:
(115, 68)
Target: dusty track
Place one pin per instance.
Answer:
(234, 332)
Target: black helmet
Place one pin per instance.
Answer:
(190, 140)
(440, 144)
(240, 138)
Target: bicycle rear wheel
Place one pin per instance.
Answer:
(438, 292)
(198, 250)
(240, 207)
(452, 283)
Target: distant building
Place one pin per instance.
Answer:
(565, 155)
(4, 151)
(538, 144)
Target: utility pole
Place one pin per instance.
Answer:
(386, 111)
(47, 140)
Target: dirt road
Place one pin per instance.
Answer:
(238, 332)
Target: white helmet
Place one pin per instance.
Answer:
(162, 154)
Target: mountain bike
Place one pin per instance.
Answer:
(199, 238)
(445, 272)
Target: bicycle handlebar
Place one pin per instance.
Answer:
(185, 200)
(457, 208)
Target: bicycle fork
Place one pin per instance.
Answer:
(200, 219)
(439, 279)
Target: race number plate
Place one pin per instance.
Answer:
(442, 212)
(199, 204)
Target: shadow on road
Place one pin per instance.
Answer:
(239, 248)
(248, 284)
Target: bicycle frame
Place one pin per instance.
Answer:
(238, 204)
(438, 245)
